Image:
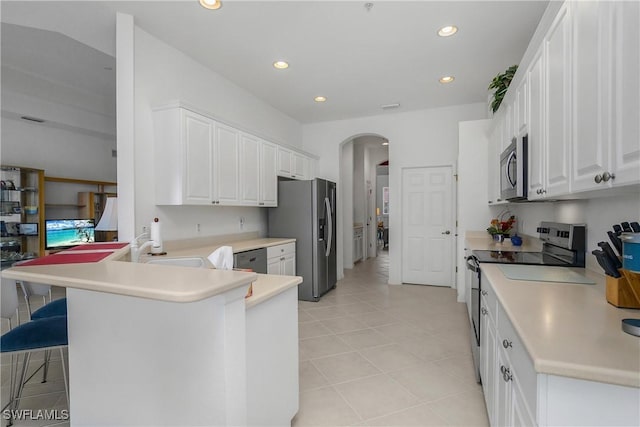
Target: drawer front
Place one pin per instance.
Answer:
(281, 250)
(519, 359)
(488, 296)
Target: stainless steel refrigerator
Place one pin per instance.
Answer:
(307, 212)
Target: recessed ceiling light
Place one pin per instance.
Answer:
(320, 99)
(385, 143)
(211, 4)
(281, 65)
(447, 79)
(447, 31)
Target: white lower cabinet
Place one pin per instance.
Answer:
(508, 377)
(281, 259)
(357, 244)
(517, 395)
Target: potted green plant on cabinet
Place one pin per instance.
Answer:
(501, 83)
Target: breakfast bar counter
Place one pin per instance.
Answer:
(172, 345)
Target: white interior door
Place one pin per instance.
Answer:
(427, 226)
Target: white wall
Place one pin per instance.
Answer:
(473, 210)
(417, 138)
(344, 252)
(598, 213)
(164, 74)
(75, 141)
(359, 200)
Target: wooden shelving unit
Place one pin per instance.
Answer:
(21, 202)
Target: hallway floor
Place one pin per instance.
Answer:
(380, 355)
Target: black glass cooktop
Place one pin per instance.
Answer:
(530, 258)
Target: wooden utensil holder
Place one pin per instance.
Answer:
(624, 292)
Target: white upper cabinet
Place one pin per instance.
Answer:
(249, 169)
(550, 113)
(522, 103)
(300, 166)
(606, 116)
(199, 161)
(227, 165)
(183, 157)
(558, 106)
(625, 164)
(292, 164)
(268, 174)
(284, 162)
(535, 76)
(579, 101)
(592, 73)
(494, 150)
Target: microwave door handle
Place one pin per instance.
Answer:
(510, 160)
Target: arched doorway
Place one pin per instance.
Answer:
(360, 156)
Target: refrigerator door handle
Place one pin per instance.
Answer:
(327, 206)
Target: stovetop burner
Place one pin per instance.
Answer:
(508, 257)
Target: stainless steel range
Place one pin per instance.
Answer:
(564, 246)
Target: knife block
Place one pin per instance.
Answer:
(624, 292)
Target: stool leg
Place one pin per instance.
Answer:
(45, 370)
(17, 385)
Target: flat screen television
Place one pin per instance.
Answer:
(66, 233)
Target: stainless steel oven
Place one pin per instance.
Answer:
(513, 170)
(474, 269)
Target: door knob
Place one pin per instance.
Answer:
(446, 232)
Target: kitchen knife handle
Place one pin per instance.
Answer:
(610, 254)
(617, 243)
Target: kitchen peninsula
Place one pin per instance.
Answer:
(170, 345)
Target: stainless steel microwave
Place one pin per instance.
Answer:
(513, 170)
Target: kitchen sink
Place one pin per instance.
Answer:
(180, 262)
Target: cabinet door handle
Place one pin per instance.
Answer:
(484, 311)
(598, 179)
(503, 369)
(607, 176)
(485, 293)
(506, 375)
(282, 259)
(507, 343)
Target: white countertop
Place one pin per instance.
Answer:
(569, 329)
(160, 282)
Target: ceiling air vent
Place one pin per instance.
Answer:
(32, 119)
(390, 106)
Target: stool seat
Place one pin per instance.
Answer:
(54, 308)
(37, 334)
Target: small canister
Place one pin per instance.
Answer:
(631, 251)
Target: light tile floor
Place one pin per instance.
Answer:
(373, 354)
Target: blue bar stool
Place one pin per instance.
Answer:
(43, 334)
(54, 308)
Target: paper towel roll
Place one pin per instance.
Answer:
(154, 233)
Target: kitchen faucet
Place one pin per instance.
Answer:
(154, 241)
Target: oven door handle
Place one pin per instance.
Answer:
(472, 264)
